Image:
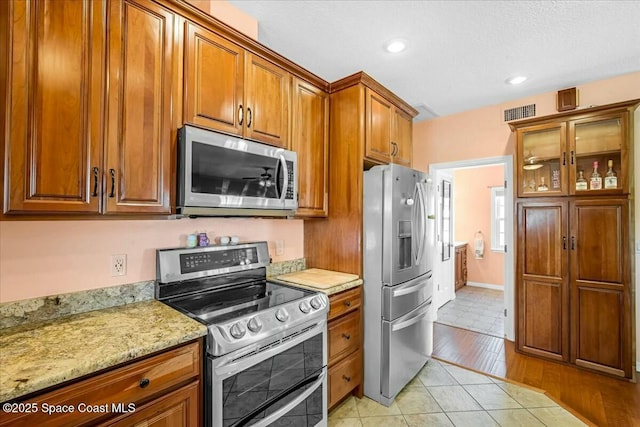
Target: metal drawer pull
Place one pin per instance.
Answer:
(347, 303)
(346, 336)
(346, 378)
(144, 382)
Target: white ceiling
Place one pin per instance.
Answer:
(459, 53)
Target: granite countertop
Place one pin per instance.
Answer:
(36, 356)
(322, 287)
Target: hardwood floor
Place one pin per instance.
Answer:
(602, 400)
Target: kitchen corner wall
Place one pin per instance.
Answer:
(39, 258)
(482, 133)
(472, 207)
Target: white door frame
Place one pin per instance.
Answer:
(443, 271)
(509, 265)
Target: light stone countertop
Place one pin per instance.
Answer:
(329, 291)
(36, 356)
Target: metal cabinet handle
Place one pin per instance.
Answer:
(346, 336)
(95, 171)
(346, 378)
(144, 382)
(564, 242)
(347, 303)
(113, 182)
(240, 115)
(572, 156)
(573, 243)
(394, 151)
(250, 118)
(564, 158)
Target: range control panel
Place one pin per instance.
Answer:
(203, 261)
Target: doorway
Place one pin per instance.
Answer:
(444, 265)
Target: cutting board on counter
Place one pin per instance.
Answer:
(318, 278)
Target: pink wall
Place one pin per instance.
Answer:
(482, 132)
(472, 207)
(39, 258)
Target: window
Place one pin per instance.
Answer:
(498, 222)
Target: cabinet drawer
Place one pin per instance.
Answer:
(344, 335)
(344, 302)
(134, 383)
(344, 377)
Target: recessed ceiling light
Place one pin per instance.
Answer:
(516, 80)
(395, 45)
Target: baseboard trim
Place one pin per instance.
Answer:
(486, 285)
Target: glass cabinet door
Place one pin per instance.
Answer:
(597, 152)
(542, 160)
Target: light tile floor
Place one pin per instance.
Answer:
(447, 395)
(476, 309)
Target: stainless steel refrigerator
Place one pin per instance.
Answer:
(398, 287)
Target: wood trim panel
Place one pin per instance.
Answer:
(363, 78)
(345, 189)
(574, 115)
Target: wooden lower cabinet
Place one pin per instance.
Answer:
(345, 345)
(574, 282)
(461, 266)
(160, 390)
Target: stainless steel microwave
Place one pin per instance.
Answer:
(222, 175)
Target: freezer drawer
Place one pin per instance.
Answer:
(401, 299)
(407, 346)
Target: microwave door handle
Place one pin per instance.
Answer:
(285, 177)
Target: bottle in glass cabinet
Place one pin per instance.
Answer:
(595, 183)
(581, 182)
(610, 179)
(542, 186)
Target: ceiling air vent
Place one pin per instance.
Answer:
(520, 112)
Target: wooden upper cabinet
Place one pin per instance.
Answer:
(54, 96)
(557, 155)
(310, 140)
(141, 54)
(266, 102)
(234, 91)
(214, 81)
(379, 119)
(388, 131)
(401, 142)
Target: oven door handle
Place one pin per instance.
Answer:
(286, 408)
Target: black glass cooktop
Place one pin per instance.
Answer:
(223, 304)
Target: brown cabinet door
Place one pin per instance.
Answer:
(310, 140)
(542, 279)
(55, 106)
(402, 148)
(141, 77)
(600, 294)
(267, 102)
(378, 125)
(214, 76)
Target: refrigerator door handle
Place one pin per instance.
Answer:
(421, 207)
(414, 223)
(417, 318)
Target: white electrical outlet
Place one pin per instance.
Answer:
(118, 265)
(279, 247)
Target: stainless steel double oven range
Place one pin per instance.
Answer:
(266, 353)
